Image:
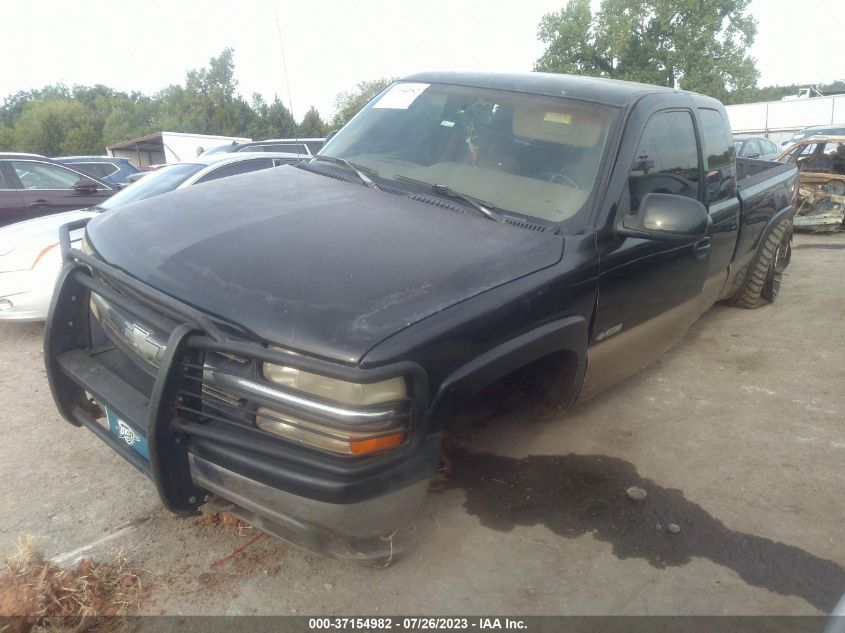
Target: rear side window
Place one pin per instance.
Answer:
(234, 169)
(752, 149)
(292, 148)
(7, 181)
(98, 170)
(718, 150)
(666, 159)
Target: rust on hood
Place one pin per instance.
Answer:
(821, 186)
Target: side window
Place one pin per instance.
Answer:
(720, 178)
(292, 148)
(771, 148)
(7, 180)
(99, 170)
(234, 169)
(752, 149)
(666, 159)
(35, 175)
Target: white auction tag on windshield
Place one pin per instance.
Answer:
(401, 96)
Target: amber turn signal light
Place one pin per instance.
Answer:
(375, 444)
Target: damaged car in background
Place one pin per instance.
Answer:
(821, 188)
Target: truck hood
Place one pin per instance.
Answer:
(314, 264)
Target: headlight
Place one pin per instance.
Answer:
(328, 438)
(351, 393)
(85, 245)
(387, 428)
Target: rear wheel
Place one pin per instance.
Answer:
(783, 253)
(764, 280)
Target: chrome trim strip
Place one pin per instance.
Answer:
(343, 414)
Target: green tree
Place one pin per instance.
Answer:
(82, 139)
(171, 111)
(312, 126)
(271, 120)
(7, 138)
(699, 45)
(348, 104)
(14, 104)
(126, 121)
(209, 103)
(44, 125)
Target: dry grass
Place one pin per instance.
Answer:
(93, 596)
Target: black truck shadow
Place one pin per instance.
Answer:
(573, 495)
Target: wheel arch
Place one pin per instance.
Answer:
(738, 279)
(565, 339)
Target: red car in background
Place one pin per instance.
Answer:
(32, 186)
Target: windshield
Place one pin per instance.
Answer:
(523, 153)
(160, 181)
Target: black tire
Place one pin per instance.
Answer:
(762, 285)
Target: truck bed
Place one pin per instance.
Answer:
(751, 172)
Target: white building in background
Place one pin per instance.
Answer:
(777, 120)
(167, 147)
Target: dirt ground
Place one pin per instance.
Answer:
(737, 435)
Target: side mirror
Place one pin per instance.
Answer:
(330, 136)
(753, 156)
(667, 217)
(83, 185)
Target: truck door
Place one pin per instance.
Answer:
(721, 198)
(11, 202)
(47, 188)
(649, 290)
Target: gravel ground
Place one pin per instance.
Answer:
(737, 437)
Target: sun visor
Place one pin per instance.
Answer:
(571, 127)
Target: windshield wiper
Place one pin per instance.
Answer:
(359, 170)
(476, 204)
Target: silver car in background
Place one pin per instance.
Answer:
(30, 256)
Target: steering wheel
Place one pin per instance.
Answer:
(558, 178)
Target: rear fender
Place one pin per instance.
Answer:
(738, 277)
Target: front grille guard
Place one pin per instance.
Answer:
(172, 413)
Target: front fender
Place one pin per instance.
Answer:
(565, 335)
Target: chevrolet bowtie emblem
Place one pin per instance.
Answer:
(143, 344)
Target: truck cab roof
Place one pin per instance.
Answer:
(607, 91)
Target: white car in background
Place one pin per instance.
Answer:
(30, 256)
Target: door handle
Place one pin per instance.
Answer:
(38, 203)
(701, 248)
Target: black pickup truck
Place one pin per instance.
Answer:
(295, 341)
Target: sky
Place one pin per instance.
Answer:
(307, 51)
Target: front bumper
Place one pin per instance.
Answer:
(341, 506)
(25, 295)
(361, 530)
